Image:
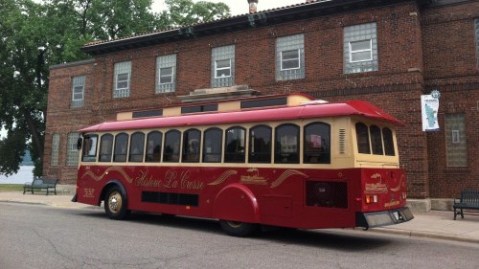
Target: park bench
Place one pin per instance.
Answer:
(469, 200)
(40, 183)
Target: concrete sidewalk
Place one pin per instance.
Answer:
(62, 200)
(433, 224)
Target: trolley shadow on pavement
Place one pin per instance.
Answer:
(329, 238)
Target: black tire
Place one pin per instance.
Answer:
(115, 204)
(236, 228)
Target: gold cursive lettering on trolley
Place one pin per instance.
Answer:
(171, 180)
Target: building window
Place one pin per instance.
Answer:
(166, 73)
(72, 151)
(122, 80)
(78, 91)
(290, 57)
(476, 31)
(360, 48)
(456, 146)
(55, 149)
(222, 66)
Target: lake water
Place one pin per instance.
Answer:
(25, 174)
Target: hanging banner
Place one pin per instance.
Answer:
(429, 109)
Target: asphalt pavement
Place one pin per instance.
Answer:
(432, 224)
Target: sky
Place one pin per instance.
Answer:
(238, 7)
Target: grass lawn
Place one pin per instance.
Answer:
(11, 187)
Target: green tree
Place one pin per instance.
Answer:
(112, 19)
(35, 36)
(22, 95)
(186, 12)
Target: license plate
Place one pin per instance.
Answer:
(396, 215)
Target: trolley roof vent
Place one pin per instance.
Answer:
(342, 141)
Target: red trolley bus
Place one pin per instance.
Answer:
(298, 163)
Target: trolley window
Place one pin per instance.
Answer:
(191, 146)
(362, 136)
(376, 140)
(121, 145)
(235, 145)
(286, 144)
(89, 148)
(136, 147)
(260, 144)
(153, 148)
(212, 145)
(317, 141)
(106, 147)
(171, 151)
(388, 142)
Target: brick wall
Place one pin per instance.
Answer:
(413, 45)
(450, 63)
(61, 119)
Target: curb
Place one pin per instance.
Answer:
(423, 234)
(24, 203)
(380, 230)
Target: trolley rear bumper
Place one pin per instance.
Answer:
(383, 218)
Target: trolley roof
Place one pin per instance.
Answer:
(307, 111)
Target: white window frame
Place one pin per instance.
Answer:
(121, 69)
(360, 33)
(72, 151)
(297, 58)
(166, 62)
(169, 76)
(55, 149)
(476, 40)
(351, 52)
(78, 88)
(287, 44)
(455, 137)
(456, 140)
(224, 53)
(229, 67)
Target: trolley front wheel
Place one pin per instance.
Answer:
(115, 204)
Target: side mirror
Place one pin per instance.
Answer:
(79, 143)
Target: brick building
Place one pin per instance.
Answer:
(388, 52)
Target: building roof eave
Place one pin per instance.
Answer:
(258, 19)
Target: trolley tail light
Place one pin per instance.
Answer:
(371, 199)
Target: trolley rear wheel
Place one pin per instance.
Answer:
(236, 228)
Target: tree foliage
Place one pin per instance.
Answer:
(186, 12)
(34, 36)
